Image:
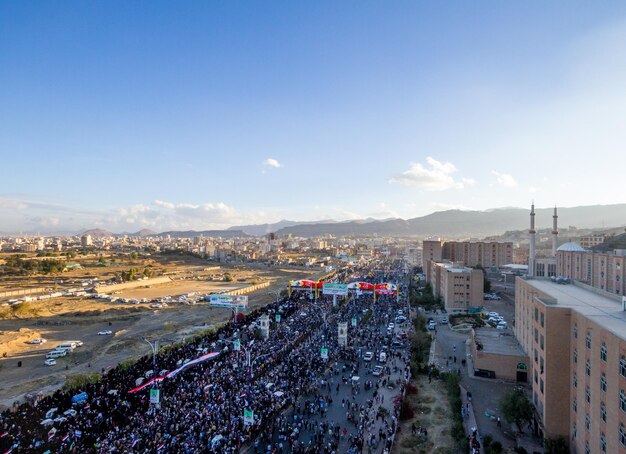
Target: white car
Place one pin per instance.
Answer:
(377, 371)
(50, 362)
(38, 341)
(105, 333)
(493, 314)
(368, 356)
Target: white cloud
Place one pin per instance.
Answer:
(504, 179)
(436, 176)
(272, 163)
(468, 181)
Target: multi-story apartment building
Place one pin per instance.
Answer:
(459, 287)
(576, 340)
(602, 270)
(589, 241)
(469, 253)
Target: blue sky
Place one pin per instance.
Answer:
(126, 115)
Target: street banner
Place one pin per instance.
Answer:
(248, 417)
(229, 301)
(154, 396)
(329, 288)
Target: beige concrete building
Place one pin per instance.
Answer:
(576, 340)
(602, 270)
(469, 253)
(498, 352)
(589, 241)
(459, 287)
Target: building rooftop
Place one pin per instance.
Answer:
(498, 341)
(606, 312)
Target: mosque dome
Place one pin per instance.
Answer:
(571, 247)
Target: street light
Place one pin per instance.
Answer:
(155, 348)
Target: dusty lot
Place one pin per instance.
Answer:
(432, 412)
(63, 319)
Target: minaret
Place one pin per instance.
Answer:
(555, 233)
(531, 239)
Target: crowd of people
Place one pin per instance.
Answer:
(202, 408)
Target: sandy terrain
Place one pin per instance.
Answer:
(63, 319)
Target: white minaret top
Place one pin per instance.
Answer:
(531, 240)
(555, 232)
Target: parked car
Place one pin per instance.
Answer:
(38, 341)
(368, 356)
(432, 325)
(105, 333)
(56, 354)
(501, 325)
(444, 321)
(382, 357)
(377, 371)
(50, 362)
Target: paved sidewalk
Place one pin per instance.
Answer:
(469, 421)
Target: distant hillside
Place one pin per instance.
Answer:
(98, 233)
(469, 223)
(205, 233)
(264, 229)
(144, 232)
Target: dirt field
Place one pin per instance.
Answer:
(432, 412)
(62, 319)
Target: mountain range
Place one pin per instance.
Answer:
(451, 223)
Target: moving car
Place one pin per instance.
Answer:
(56, 354)
(501, 325)
(50, 362)
(382, 357)
(105, 333)
(444, 321)
(377, 371)
(432, 325)
(368, 356)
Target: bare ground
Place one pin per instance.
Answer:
(432, 412)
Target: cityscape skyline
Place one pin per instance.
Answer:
(203, 116)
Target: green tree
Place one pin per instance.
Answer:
(556, 445)
(516, 407)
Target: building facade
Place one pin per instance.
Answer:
(469, 253)
(459, 287)
(576, 340)
(602, 270)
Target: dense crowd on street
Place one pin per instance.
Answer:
(202, 408)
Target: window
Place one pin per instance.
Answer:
(603, 382)
(541, 385)
(587, 422)
(575, 331)
(587, 449)
(603, 412)
(587, 394)
(622, 435)
(574, 405)
(575, 356)
(602, 443)
(588, 368)
(588, 340)
(542, 319)
(622, 400)
(622, 366)
(575, 381)
(603, 352)
(541, 341)
(536, 314)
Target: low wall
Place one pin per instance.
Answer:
(131, 284)
(252, 288)
(8, 294)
